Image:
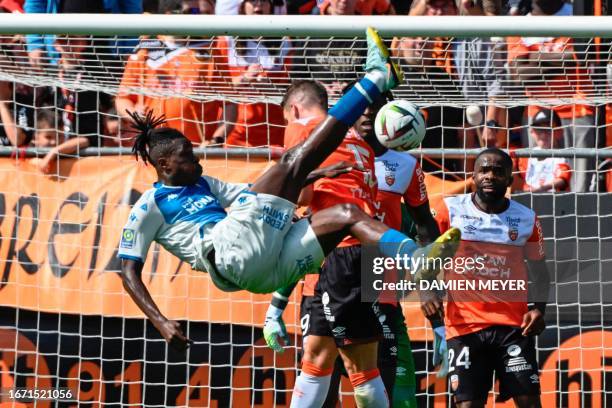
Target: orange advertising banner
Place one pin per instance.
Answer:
(59, 236)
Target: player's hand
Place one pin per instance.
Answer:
(274, 329)
(533, 323)
(431, 305)
(440, 356)
(172, 332)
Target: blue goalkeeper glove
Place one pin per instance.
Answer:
(274, 329)
(440, 356)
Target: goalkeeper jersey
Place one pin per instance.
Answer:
(178, 218)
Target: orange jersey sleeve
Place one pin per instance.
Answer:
(440, 213)
(534, 249)
(416, 193)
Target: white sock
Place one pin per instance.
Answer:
(310, 391)
(311, 387)
(371, 393)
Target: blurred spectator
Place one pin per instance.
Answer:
(480, 67)
(550, 173)
(16, 114)
(360, 7)
(479, 7)
(427, 56)
(123, 6)
(549, 68)
(47, 132)
(198, 7)
(79, 111)
(12, 6)
(252, 63)
(233, 7)
(165, 66)
(430, 72)
(334, 62)
(110, 129)
(41, 48)
(179, 73)
(518, 7)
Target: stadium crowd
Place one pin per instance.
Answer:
(66, 121)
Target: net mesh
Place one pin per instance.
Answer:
(439, 70)
(66, 321)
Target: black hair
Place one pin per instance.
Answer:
(151, 141)
(314, 93)
(505, 157)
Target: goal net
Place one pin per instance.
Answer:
(69, 182)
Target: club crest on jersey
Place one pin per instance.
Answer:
(390, 179)
(513, 224)
(454, 380)
(513, 234)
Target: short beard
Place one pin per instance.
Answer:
(491, 198)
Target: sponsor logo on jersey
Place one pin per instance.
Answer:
(513, 350)
(326, 309)
(274, 217)
(422, 187)
(128, 238)
(454, 380)
(470, 229)
(192, 206)
(517, 364)
(339, 331)
(390, 179)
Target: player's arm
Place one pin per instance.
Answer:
(331, 171)
(139, 232)
(274, 327)
(539, 283)
(426, 226)
(538, 290)
(131, 271)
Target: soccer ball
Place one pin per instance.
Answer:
(399, 125)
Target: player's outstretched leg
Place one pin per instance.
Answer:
(286, 178)
(332, 224)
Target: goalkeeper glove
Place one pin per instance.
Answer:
(440, 357)
(274, 327)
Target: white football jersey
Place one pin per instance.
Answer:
(178, 218)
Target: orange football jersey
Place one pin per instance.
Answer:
(357, 186)
(502, 241)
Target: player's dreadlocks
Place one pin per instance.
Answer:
(151, 141)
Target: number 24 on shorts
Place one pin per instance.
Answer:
(463, 359)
